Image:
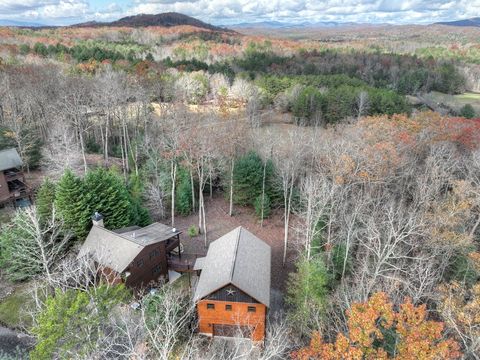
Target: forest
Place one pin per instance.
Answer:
(367, 191)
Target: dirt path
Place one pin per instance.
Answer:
(219, 223)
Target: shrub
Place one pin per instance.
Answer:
(192, 231)
(24, 49)
(91, 146)
(467, 111)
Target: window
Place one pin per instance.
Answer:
(252, 309)
(156, 269)
(140, 263)
(228, 307)
(211, 306)
(154, 253)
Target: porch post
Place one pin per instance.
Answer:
(179, 252)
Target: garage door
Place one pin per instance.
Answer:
(232, 330)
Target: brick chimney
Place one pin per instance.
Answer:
(97, 219)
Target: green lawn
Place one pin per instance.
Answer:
(14, 309)
(457, 101)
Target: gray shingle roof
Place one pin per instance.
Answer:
(117, 249)
(147, 235)
(10, 159)
(238, 258)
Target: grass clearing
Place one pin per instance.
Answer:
(182, 282)
(14, 308)
(456, 102)
(469, 97)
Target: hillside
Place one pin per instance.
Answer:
(169, 19)
(462, 23)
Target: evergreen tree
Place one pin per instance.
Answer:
(140, 215)
(266, 206)
(307, 293)
(72, 205)
(183, 193)
(107, 194)
(248, 179)
(45, 199)
(72, 322)
(467, 111)
(308, 103)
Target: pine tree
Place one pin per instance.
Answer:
(183, 193)
(140, 215)
(71, 204)
(45, 199)
(108, 195)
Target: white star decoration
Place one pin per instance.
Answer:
(230, 292)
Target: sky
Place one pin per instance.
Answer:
(227, 12)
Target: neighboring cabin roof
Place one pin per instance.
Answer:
(9, 159)
(238, 258)
(117, 249)
(148, 235)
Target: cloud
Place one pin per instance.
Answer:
(395, 11)
(235, 11)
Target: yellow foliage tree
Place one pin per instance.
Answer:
(376, 331)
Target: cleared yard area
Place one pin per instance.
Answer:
(15, 306)
(219, 223)
(456, 102)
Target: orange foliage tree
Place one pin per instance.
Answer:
(377, 331)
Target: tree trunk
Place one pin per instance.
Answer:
(105, 150)
(200, 197)
(125, 141)
(82, 147)
(173, 175)
(193, 190)
(263, 192)
(232, 167)
(204, 223)
(124, 168)
(287, 220)
(211, 185)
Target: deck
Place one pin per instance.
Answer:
(183, 263)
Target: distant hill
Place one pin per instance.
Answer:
(5, 22)
(164, 19)
(302, 25)
(467, 22)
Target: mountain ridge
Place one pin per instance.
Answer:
(168, 19)
(474, 22)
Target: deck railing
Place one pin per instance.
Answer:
(184, 262)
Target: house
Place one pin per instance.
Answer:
(12, 180)
(135, 256)
(232, 295)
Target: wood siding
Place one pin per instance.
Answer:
(110, 276)
(4, 192)
(146, 268)
(237, 316)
